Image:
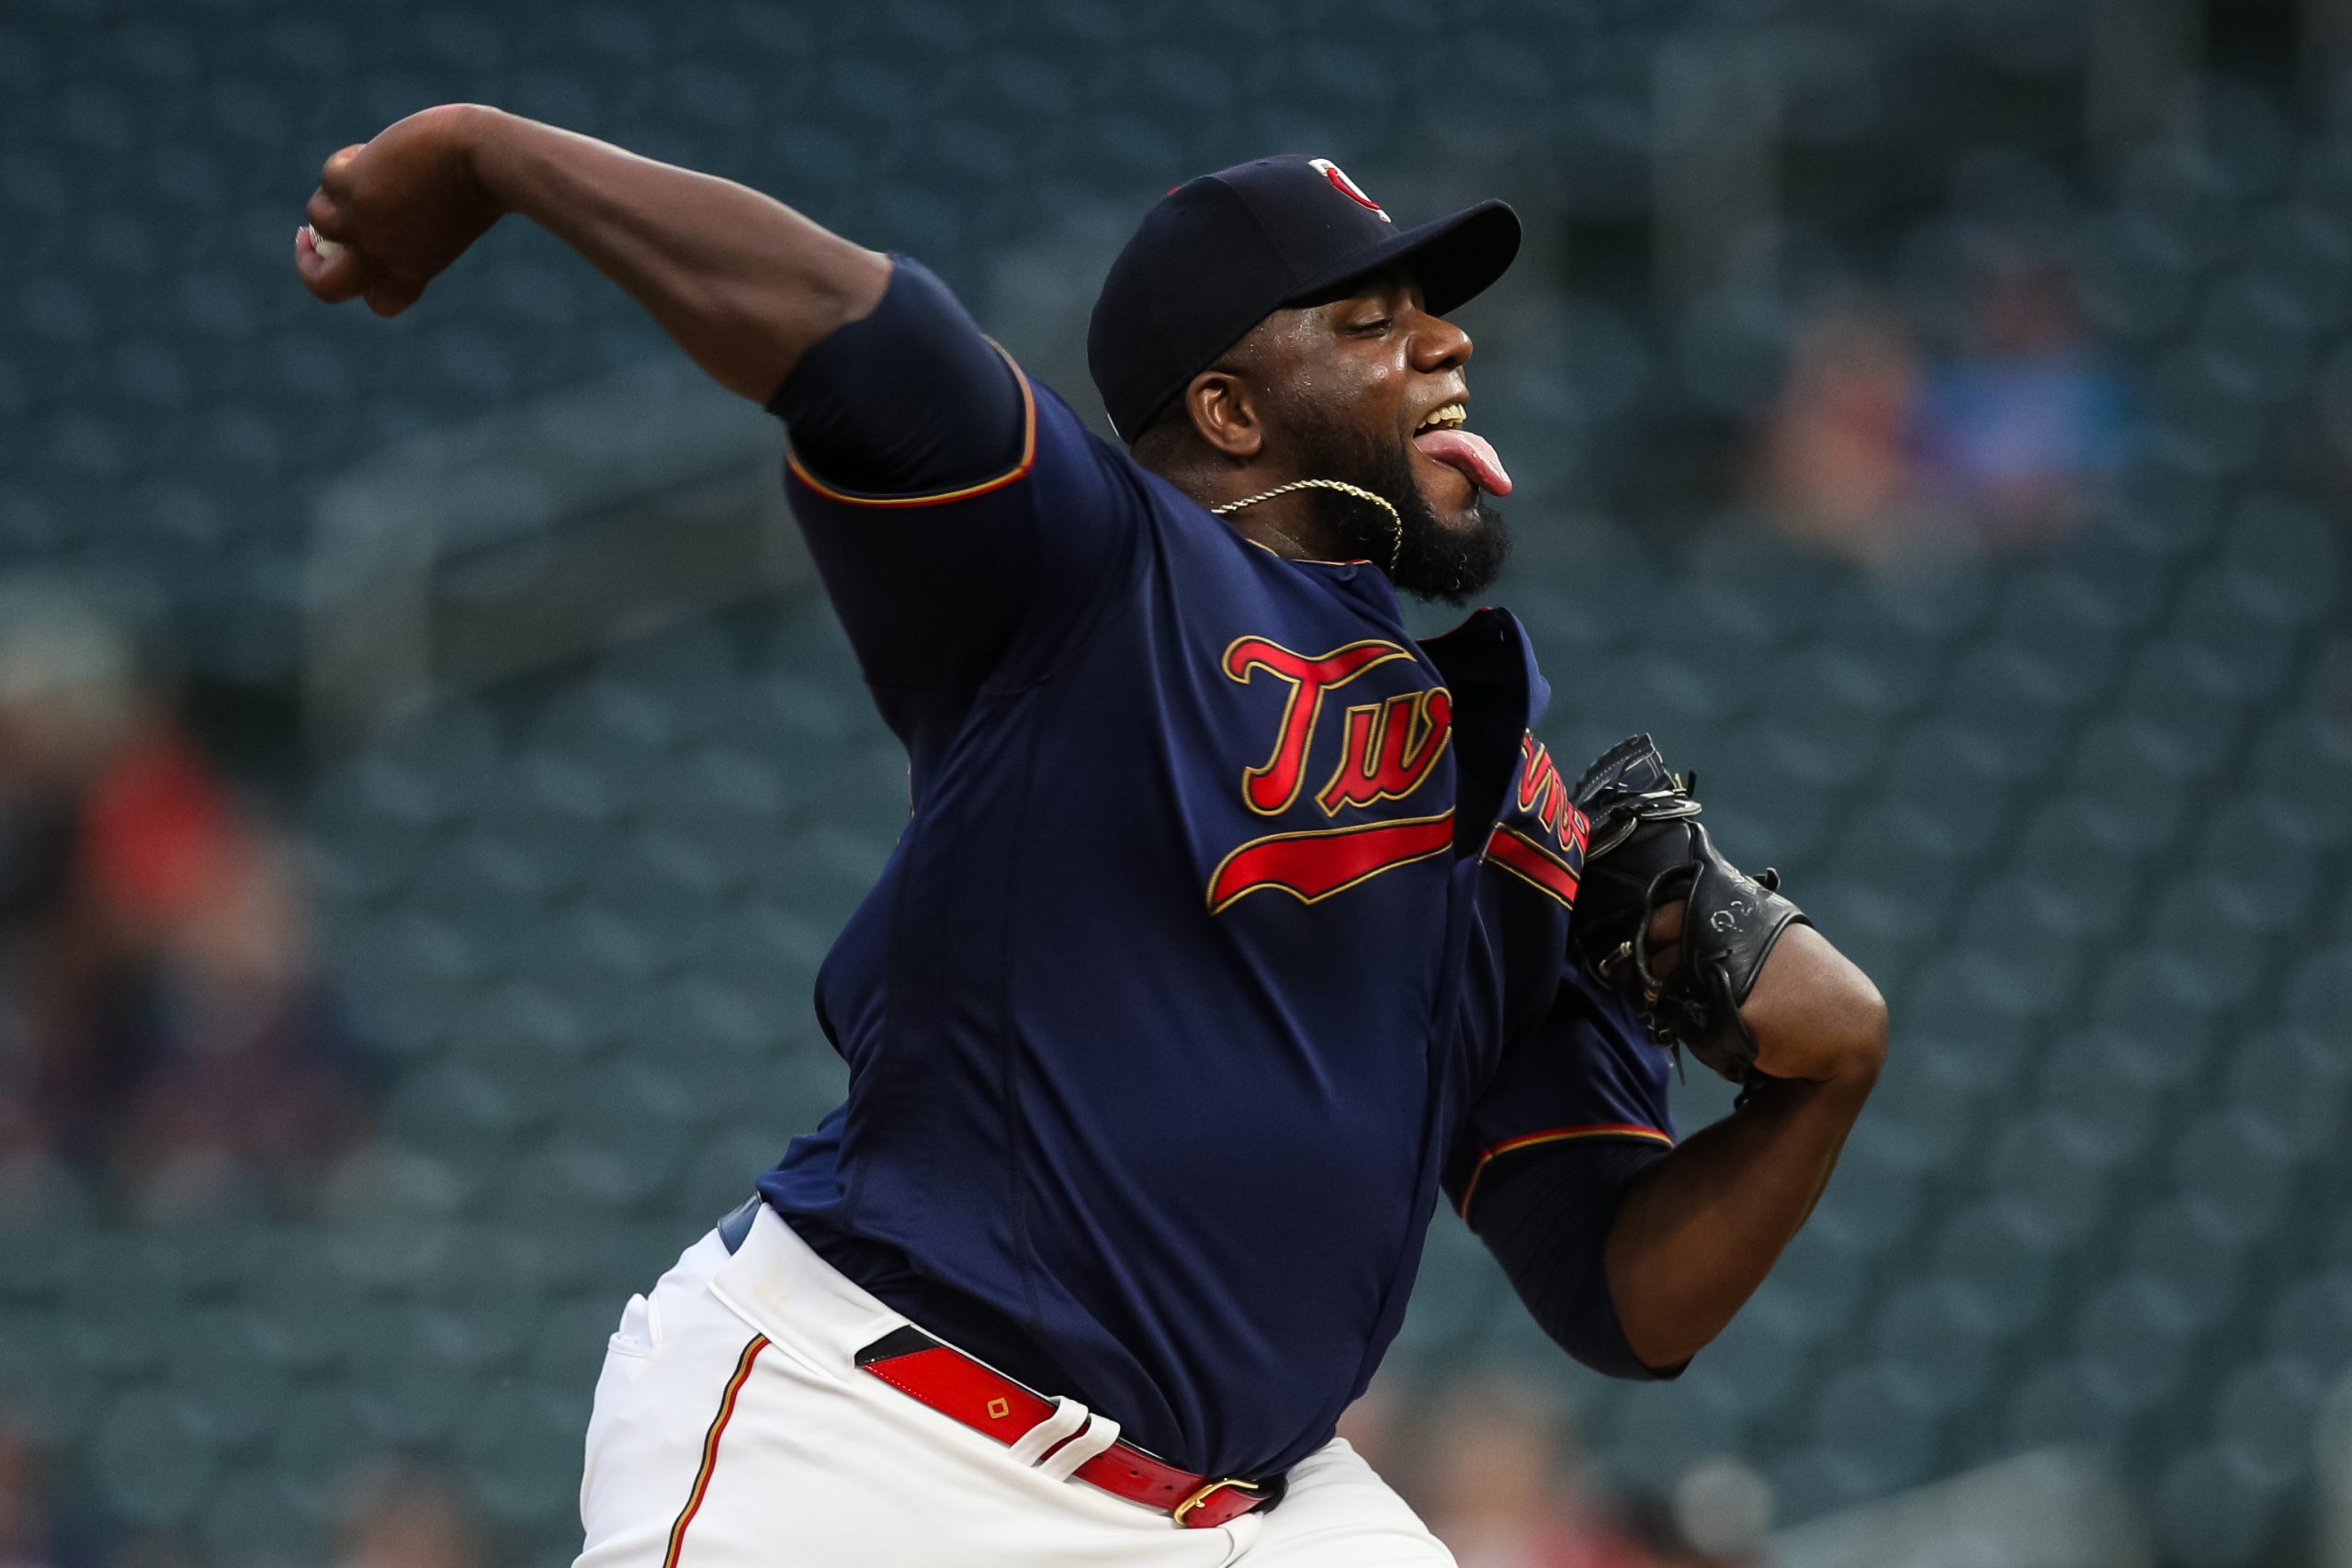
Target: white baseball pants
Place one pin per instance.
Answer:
(732, 1430)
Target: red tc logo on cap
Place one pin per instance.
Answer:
(1346, 187)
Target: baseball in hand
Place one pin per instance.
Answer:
(327, 248)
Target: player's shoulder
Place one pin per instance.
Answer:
(1059, 423)
(1066, 438)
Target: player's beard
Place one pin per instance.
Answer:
(1435, 560)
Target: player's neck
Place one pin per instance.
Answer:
(1286, 526)
(1290, 526)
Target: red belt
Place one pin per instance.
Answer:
(987, 1401)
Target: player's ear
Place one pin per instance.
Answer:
(1223, 407)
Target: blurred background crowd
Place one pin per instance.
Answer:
(429, 776)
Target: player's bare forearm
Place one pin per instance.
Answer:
(1697, 1230)
(742, 283)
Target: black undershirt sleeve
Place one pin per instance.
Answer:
(1545, 1214)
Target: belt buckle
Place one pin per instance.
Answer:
(1209, 1491)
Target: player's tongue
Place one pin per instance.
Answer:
(1473, 455)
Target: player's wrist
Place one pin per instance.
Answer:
(481, 143)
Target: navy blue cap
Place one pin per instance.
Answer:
(1220, 253)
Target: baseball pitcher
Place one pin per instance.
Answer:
(1231, 926)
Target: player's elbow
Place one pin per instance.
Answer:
(1629, 1361)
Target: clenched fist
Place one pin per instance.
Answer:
(389, 216)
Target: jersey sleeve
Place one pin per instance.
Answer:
(963, 520)
(1586, 1073)
(1576, 1114)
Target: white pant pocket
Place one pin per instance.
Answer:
(640, 1330)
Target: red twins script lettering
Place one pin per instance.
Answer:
(1271, 787)
(1387, 750)
(1390, 749)
(1552, 859)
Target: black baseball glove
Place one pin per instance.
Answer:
(1648, 850)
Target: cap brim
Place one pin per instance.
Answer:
(1455, 259)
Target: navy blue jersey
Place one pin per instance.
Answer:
(1221, 905)
(1616, 1089)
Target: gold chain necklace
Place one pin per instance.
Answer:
(1397, 518)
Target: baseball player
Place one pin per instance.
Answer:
(1230, 926)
